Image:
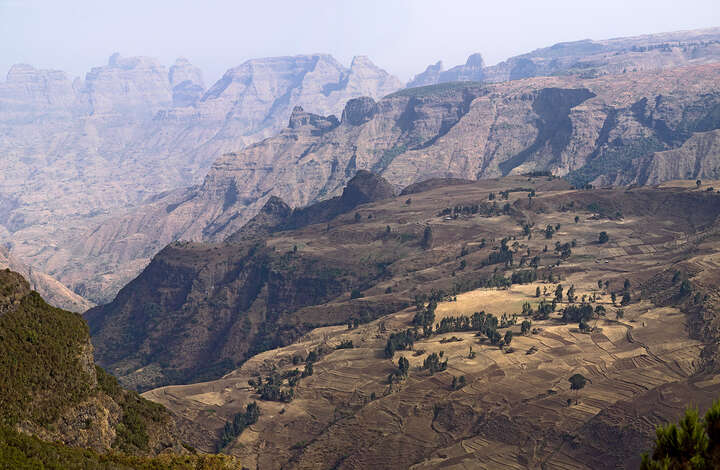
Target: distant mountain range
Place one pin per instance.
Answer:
(99, 174)
(587, 58)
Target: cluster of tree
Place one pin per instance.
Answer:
(458, 382)
(401, 372)
(400, 341)
(524, 276)
(537, 173)
(281, 387)
(455, 212)
(578, 313)
(276, 387)
(505, 255)
(345, 344)
(693, 443)
(582, 314)
(433, 364)
(240, 421)
(479, 321)
(563, 250)
(543, 310)
(425, 317)
(626, 298)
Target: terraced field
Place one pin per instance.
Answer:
(516, 409)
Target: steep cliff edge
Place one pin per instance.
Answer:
(52, 389)
(198, 309)
(49, 288)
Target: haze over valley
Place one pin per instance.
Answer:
(314, 261)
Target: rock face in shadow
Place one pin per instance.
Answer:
(244, 297)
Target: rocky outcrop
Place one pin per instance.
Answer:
(359, 111)
(430, 76)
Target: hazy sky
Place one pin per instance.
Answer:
(402, 36)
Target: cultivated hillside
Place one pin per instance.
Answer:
(393, 278)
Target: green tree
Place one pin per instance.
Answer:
(525, 327)
(508, 337)
(577, 219)
(571, 294)
(537, 291)
(693, 443)
(404, 366)
(603, 237)
(559, 293)
(577, 383)
(427, 239)
(625, 298)
(685, 288)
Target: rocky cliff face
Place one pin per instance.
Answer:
(588, 58)
(609, 129)
(76, 150)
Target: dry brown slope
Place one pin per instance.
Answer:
(514, 412)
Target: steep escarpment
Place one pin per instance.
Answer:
(199, 309)
(603, 130)
(51, 388)
(75, 150)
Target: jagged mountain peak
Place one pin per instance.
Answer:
(475, 60)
